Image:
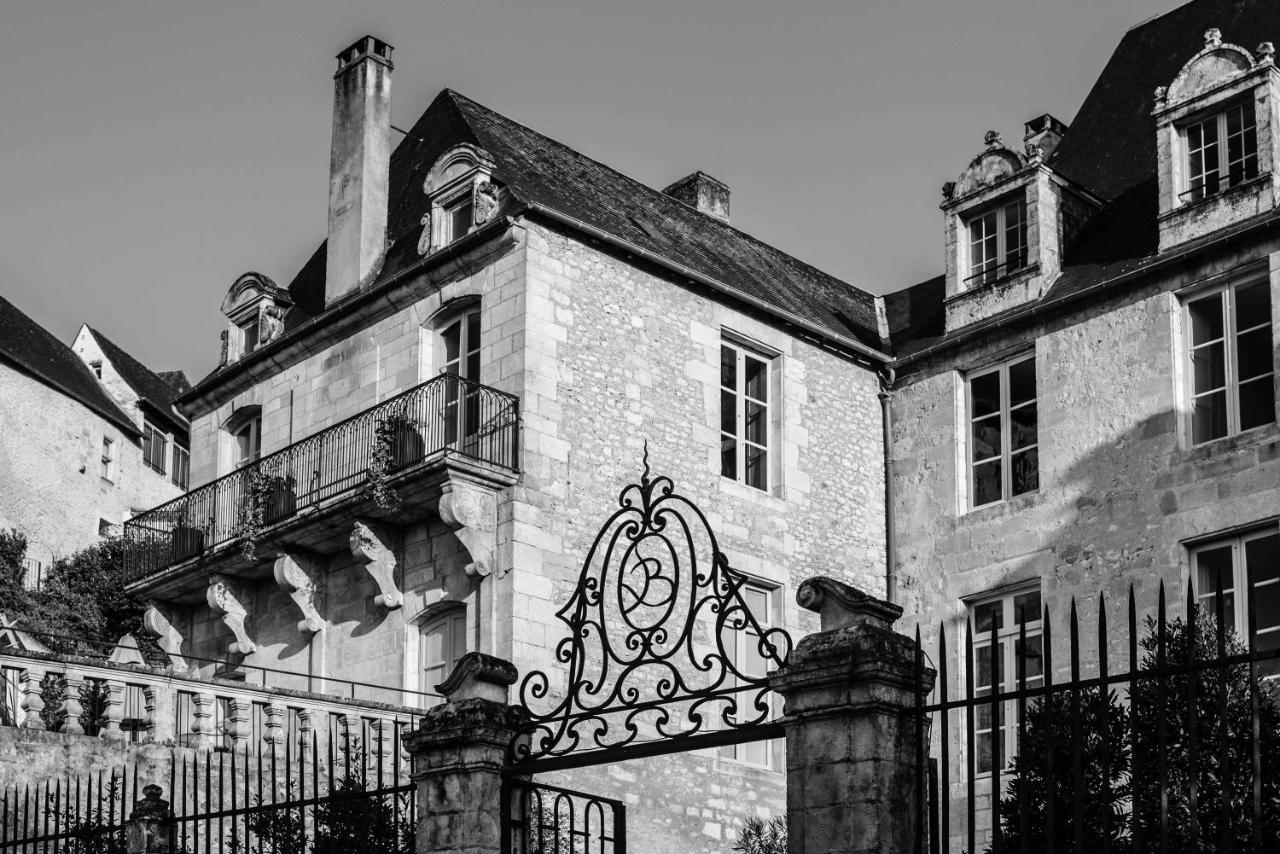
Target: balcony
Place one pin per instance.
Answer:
(402, 447)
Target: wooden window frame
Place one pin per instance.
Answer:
(1008, 636)
(738, 438)
(1243, 586)
(1005, 416)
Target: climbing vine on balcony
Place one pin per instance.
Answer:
(382, 459)
(253, 512)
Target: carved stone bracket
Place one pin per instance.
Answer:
(168, 638)
(294, 573)
(223, 602)
(370, 544)
(472, 513)
(839, 605)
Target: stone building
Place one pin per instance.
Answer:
(90, 437)
(406, 453)
(1085, 399)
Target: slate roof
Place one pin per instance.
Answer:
(32, 349)
(154, 391)
(1110, 150)
(538, 169)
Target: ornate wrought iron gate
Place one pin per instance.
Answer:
(654, 625)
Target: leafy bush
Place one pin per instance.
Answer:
(760, 837)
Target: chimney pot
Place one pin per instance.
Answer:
(1046, 132)
(702, 192)
(359, 166)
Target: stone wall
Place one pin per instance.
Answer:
(50, 466)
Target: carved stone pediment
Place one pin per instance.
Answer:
(1218, 63)
(225, 602)
(372, 545)
(994, 164)
(295, 573)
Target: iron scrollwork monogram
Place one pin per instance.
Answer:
(662, 644)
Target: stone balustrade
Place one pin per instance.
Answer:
(130, 702)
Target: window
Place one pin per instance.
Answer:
(744, 416)
(1231, 361)
(96, 367)
(222, 720)
(248, 439)
(1242, 574)
(743, 649)
(1004, 455)
(249, 335)
(108, 469)
(181, 466)
(1222, 151)
(460, 357)
(458, 217)
(1002, 664)
(997, 242)
(443, 643)
(184, 719)
(133, 721)
(154, 445)
(105, 528)
(11, 712)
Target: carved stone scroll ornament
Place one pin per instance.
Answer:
(223, 602)
(294, 573)
(485, 205)
(424, 242)
(472, 513)
(370, 545)
(169, 639)
(270, 324)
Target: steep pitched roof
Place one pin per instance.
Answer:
(155, 392)
(1110, 149)
(34, 350)
(540, 170)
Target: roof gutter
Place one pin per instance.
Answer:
(1240, 232)
(714, 284)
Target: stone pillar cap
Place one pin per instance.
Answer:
(479, 675)
(840, 605)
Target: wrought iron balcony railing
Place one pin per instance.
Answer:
(447, 415)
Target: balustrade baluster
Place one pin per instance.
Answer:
(112, 711)
(32, 701)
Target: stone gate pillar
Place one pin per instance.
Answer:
(458, 754)
(853, 781)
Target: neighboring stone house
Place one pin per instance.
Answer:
(89, 437)
(406, 453)
(1086, 399)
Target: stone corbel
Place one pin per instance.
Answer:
(223, 602)
(369, 544)
(294, 573)
(168, 638)
(471, 512)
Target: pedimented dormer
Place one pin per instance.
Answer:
(1216, 140)
(1008, 219)
(461, 196)
(255, 307)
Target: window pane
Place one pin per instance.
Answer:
(1206, 319)
(460, 219)
(757, 423)
(728, 368)
(452, 337)
(986, 438)
(1257, 403)
(1022, 423)
(1022, 382)
(1253, 305)
(1209, 417)
(984, 616)
(757, 467)
(1253, 354)
(984, 394)
(728, 457)
(1026, 607)
(1262, 562)
(1209, 367)
(757, 378)
(756, 752)
(728, 412)
(1026, 471)
(1213, 577)
(1032, 661)
(473, 331)
(986, 482)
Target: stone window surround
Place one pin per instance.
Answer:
(772, 362)
(961, 375)
(241, 416)
(107, 469)
(763, 340)
(998, 204)
(453, 177)
(1235, 537)
(1243, 274)
(1216, 113)
(430, 346)
(444, 606)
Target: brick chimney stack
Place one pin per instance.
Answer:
(702, 192)
(359, 167)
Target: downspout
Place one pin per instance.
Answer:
(887, 378)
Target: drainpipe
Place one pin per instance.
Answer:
(890, 528)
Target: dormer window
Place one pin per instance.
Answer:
(255, 307)
(997, 242)
(1222, 152)
(249, 335)
(461, 197)
(458, 218)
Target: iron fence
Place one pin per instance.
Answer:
(309, 798)
(1177, 749)
(445, 415)
(543, 819)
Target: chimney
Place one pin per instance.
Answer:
(359, 167)
(1044, 131)
(702, 192)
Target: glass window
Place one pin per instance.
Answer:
(443, 642)
(108, 469)
(1004, 441)
(1001, 664)
(181, 466)
(744, 415)
(249, 335)
(248, 441)
(458, 218)
(997, 242)
(1231, 363)
(96, 367)
(154, 447)
(743, 649)
(1222, 151)
(1238, 578)
(133, 721)
(460, 357)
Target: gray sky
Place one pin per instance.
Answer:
(150, 152)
